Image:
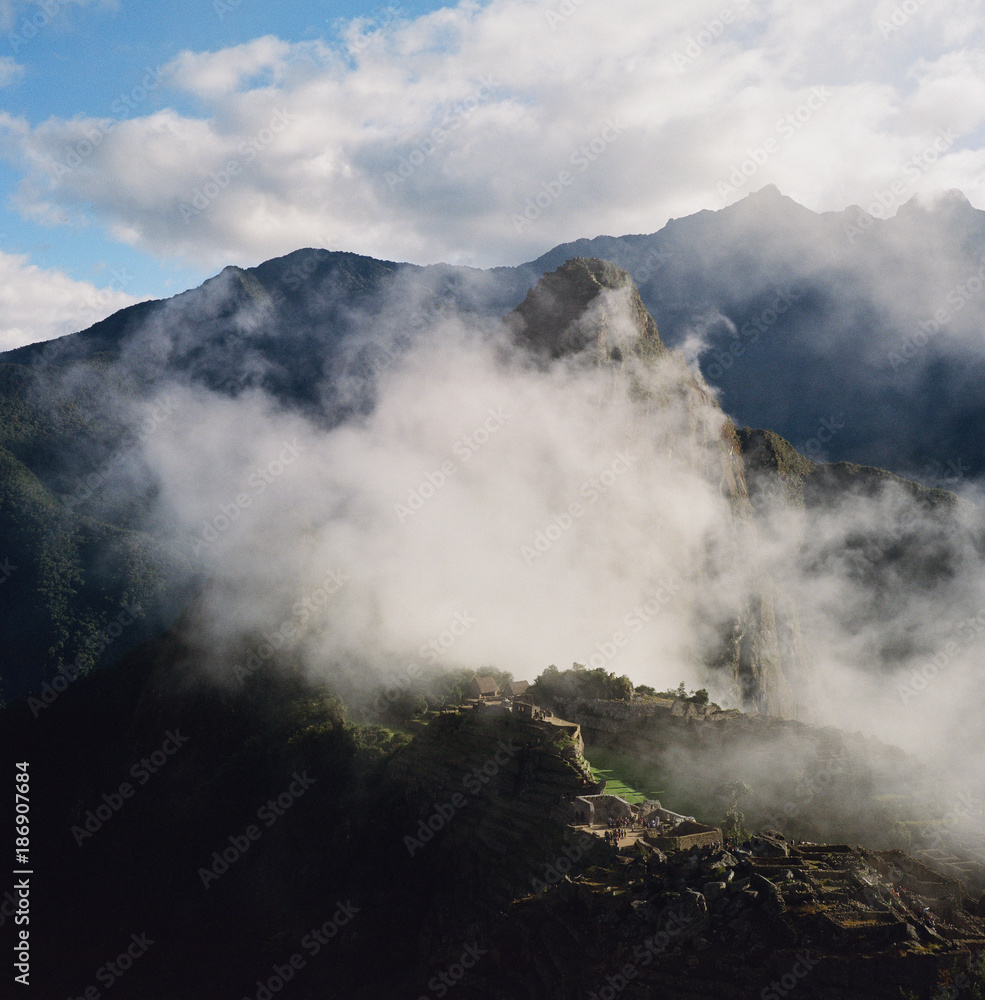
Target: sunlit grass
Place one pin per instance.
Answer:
(614, 785)
(619, 771)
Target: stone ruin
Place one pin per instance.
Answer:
(653, 809)
(594, 810)
(684, 836)
(599, 809)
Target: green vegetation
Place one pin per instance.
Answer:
(964, 978)
(680, 693)
(238, 754)
(414, 698)
(72, 563)
(580, 682)
(655, 782)
(616, 786)
(626, 771)
(733, 827)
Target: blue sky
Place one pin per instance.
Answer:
(144, 147)
(91, 59)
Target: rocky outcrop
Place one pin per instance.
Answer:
(572, 309)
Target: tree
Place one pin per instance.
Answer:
(620, 688)
(580, 682)
(731, 793)
(407, 705)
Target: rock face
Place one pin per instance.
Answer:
(569, 309)
(591, 309)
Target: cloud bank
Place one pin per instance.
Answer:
(40, 304)
(486, 133)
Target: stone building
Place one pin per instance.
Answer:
(483, 688)
(525, 710)
(599, 809)
(685, 835)
(652, 809)
(516, 689)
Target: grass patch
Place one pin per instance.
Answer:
(638, 781)
(607, 765)
(615, 786)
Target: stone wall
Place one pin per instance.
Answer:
(592, 809)
(919, 878)
(570, 729)
(969, 870)
(617, 716)
(652, 808)
(691, 835)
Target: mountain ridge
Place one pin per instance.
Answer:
(238, 331)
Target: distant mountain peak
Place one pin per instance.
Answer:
(562, 314)
(956, 197)
(952, 201)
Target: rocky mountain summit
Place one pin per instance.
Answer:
(569, 309)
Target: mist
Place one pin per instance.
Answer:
(538, 506)
(454, 499)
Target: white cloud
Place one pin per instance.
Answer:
(210, 74)
(10, 70)
(435, 138)
(38, 304)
